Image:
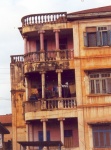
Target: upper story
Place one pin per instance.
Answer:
(77, 42)
(57, 38)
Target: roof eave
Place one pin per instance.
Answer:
(88, 16)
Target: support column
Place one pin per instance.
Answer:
(57, 38)
(27, 132)
(57, 43)
(59, 71)
(62, 129)
(25, 44)
(42, 54)
(43, 83)
(44, 129)
(26, 89)
(81, 130)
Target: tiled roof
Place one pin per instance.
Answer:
(93, 10)
(6, 119)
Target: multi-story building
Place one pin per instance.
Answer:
(6, 121)
(61, 85)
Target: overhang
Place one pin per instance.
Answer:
(3, 130)
(40, 143)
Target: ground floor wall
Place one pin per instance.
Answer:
(53, 131)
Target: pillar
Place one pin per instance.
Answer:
(57, 43)
(81, 130)
(59, 71)
(27, 132)
(44, 129)
(26, 88)
(57, 38)
(43, 83)
(42, 54)
(41, 40)
(25, 44)
(62, 129)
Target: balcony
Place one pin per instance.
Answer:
(50, 104)
(49, 56)
(17, 59)
(59, 17)
(44, 56)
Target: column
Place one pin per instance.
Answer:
(42, 54)
(25, 44)
(41, 40)
(44, 129)
(57, 43)
(26, 89)
(62, 129)
(57, 38)
(59, 71)
(81, 130)
(27, 131)
(43, 83)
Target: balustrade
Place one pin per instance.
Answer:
(17, 58)
(50, 104)
(60, 17)
(49, 55)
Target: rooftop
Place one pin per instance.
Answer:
(6, 119)
(93, 10)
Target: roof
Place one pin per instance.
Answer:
(94, 10)
(6, 119)
(3, 130)
(40, 143)
(100, 12)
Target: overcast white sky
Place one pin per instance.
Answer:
(11, 43)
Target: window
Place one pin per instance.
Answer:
(68, 138)
(101, 135)
(97, 36)
(100, 82)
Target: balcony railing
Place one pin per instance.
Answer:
(17, 58)
(50, 104)
(60, 17)
(44, 56)
(49, 56)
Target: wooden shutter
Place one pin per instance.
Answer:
(109, 37)
(85, 39)
(108, 85)
(99, 43)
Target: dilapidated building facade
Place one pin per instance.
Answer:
(61, 85)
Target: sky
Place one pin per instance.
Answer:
(11, 42)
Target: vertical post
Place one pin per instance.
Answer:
(27, 132)
(59, 71)
(26, 85)
(57, 38)
(62, 129)
(25, 44)
(57, 43)
(43, 83)
(44, 129)
(42, 55)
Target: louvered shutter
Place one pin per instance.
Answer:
(85, 39)
(109, 37)
(108, 85)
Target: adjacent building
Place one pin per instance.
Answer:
(61, 85)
